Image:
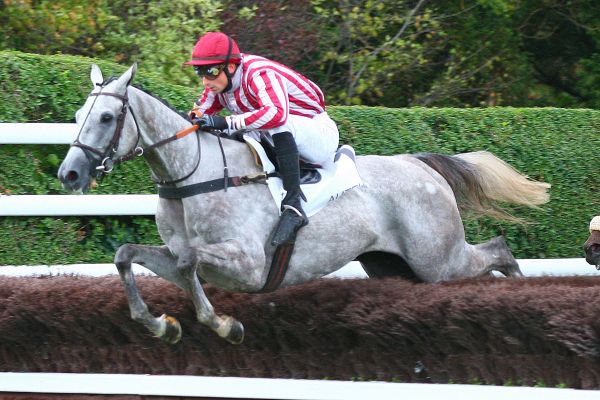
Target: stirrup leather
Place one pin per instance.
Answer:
(290, 222)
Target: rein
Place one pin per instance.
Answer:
(105, 163)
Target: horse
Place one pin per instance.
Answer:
(591, 247)
(403, 220)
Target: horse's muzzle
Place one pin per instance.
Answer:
(74, 171)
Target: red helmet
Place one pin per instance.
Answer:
(214, 48)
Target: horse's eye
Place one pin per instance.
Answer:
(106, 117)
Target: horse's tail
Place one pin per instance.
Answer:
(481, 181)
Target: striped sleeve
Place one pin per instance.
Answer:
(209, 103)
(269, 90)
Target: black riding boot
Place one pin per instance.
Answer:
(292, 216)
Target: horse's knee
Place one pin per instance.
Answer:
(187, 260)
(124, 255)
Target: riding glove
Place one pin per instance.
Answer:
(211, 122)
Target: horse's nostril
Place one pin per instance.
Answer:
(72, 176)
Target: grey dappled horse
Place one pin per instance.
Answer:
(404, 220)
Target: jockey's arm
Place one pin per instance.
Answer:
(268, 89)
(208, 103)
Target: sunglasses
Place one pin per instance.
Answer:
(209, 72)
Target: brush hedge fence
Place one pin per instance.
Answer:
(558, 146)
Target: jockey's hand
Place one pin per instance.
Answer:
(211, 122)
(194, 112)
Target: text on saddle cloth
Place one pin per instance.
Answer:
(336, 178)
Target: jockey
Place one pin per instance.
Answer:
(263, 95)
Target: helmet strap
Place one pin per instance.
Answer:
(226, 69)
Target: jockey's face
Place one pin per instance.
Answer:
(219, 83)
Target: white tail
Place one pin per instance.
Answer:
(501, 182)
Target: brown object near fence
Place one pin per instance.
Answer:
(490, 331)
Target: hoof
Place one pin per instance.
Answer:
(235, 333)
(517, 274)
(514, 271)
(172, 331)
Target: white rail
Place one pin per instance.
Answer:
(261, 388)
(37, 133)
(529, 267)
(64, 205)
(73, 205)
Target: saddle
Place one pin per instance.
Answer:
(320, 184)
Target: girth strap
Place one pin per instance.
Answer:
(283, 252)
(210, 186)
(197, 188)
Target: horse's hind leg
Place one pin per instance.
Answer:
(164, 327)
(498, 257)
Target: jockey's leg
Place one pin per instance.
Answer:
(315, 140)
(293, 217)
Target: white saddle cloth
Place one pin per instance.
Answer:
(336, 178)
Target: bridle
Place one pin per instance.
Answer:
(102, 161)
(105, 162)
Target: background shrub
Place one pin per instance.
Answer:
(549, 144)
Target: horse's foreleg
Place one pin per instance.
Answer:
(157, 259)
(225, 326)
(233, 265)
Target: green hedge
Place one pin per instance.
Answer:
(554, 145)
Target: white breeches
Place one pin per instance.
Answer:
(317, 138)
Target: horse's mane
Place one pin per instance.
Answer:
(163, 101)
(143, 89)
(234, 137)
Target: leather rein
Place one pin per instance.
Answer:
(102, 161)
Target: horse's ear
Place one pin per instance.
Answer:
(133, 70)
(96, 75)
(126, 79)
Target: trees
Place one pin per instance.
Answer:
(458, 53)
(387, 52)
(155, 33)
